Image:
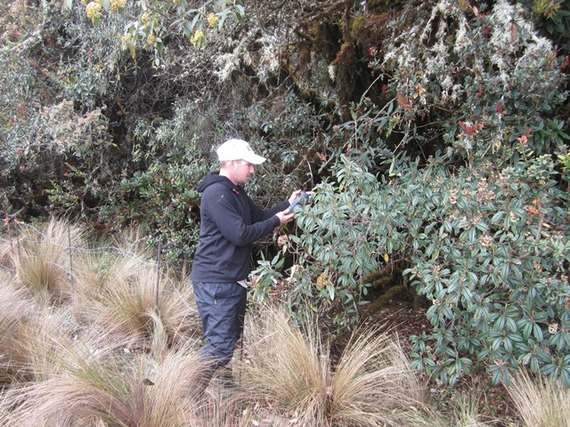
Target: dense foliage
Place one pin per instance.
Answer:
(435, 136)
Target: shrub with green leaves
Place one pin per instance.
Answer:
(487, 247)
(490, 251)
(480, 226)
(490, 240)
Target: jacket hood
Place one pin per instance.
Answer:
(213, 178)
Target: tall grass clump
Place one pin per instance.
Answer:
(40, 340)
(96, 270)
(44, 256)
(98, 385)
(119, 287)
(31, 337)
(136, 305)
(5, 253)
(540, 401)
(291, 368)
(15, 312)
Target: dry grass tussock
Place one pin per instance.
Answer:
(42, 258)
(122, 289)
(290, 369)
(16, 311)
(463, 411)
(40, 341)
(96, 385)
(110, 341)
(135, 303)
(32, 335)
(540, 402)
(6, 249)
(117, 287)
(95, 272)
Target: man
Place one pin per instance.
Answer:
(230, 224)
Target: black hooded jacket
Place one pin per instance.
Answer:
(230, 224)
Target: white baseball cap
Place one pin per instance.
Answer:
(237, 149)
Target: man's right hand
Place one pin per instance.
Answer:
(285, 216)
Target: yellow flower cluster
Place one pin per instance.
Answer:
(213, 20)
(323, 281)
(127, 39)
(117, 5)
(145, 18)
(93, 10)
(150, 40)
(198, 38)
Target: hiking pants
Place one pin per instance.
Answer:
(222, 310)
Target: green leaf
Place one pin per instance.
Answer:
(497, 217)
(331, 292)
(508, 344)
(481, 226)
(527, 329)
(537, 332)
(511, 324)
(565, 377)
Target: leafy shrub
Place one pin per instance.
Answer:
(480, 226)
(490, 251)
(487, 247)
(494, 259)
(48, 145)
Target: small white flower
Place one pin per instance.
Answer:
(332, 72)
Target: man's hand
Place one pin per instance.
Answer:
(294, 196)
(285, 216)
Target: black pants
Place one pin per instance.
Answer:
(222, 309)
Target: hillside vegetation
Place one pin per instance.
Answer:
(435, 135)
(100, 334)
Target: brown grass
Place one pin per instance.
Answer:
(134, 304)
(290, 369)
(6, 249)
(461, 411)
(16, 311)
(28, 348)
(373, 378)
(43, 259)
(98, 384)
(540, 402)
(122, 289)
